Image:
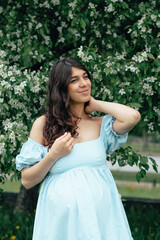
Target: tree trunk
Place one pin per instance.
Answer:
(27, 199)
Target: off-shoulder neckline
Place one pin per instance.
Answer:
(96, 139)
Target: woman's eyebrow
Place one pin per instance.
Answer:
(78, 76)
(74, 77)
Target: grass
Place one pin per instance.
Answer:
(19, 226)
(144, 222)
(138, 192)
(11, 186)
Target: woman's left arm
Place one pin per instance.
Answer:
(126, 117)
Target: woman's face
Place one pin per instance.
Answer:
(79, 87)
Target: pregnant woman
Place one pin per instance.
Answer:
(66, 149)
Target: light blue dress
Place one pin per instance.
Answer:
(78, 198)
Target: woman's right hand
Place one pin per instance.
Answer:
(62, 146)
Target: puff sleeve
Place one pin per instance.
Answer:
(30, 154)
(111, 139)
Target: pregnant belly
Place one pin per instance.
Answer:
(78, 188)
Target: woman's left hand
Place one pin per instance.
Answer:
(91, 107)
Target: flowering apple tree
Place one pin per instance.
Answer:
(118, 41)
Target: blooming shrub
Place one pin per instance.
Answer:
(119, 42)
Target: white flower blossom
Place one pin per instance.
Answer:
(154, 17)
(110, 8)
(108, 32)
(121, 56)
(59, 29)
(70, 14)
(122, 91)
(142, 57)
(39, 25)
(98, 34)
(6, 84)
(18, 90)
(2, 147)
(55, 2)
(47, 39)
(147, 89)
(157, 110)
(158, 24)
(145, 119)
(131, 68)
(1, 33)
(151, 126)
(72, 4)
(135, 33)
(80, 52)
(61, 39)
(91, 5)
(36, 89)
(1, 9)
(3, 54)
(12, 136)
(150, 79)
(109, 46)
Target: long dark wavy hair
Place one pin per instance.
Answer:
(59, 118)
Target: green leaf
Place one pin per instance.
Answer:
(143, 160)
(82, 23)
(146, 166)
(150, 114)
(90, 43)
(138, 177)
(158, 35)
(142, 9)
(150, 55)
(41, 32)
(153, 161)
(130, 161)
(124, 5)
(121, 162)
(150, 102)
(107, 71)
(74, 21)
(155, 168)
(143, 172)
(136, 104)
(6, 106)
(104, 96)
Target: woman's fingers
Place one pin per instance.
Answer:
(70, 142)
(63, 136)
(63, 145)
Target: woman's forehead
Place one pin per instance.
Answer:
(77, 71)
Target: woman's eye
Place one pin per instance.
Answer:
(86, 76)
(73, 80)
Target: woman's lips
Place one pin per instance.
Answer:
(85, 91)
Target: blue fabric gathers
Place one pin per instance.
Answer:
(78, 198)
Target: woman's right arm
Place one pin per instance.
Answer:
(61, 147)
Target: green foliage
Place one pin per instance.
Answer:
(19, 226)
(144, 222)
(126, 156)
(117, 40)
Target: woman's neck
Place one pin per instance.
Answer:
(78, 110)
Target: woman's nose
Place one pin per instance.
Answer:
(82, 82)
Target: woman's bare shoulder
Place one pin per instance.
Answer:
(36, 133)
